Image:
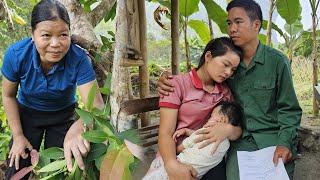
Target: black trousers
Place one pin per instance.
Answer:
(216, 173)
(37, 125)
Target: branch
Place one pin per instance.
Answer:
(98, 13)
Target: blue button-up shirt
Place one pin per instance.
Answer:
(46, 92)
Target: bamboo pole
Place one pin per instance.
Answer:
(175, 36)
(143, 70)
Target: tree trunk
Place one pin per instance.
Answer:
(269, 27)
(314, 56)
(126, 31)
(143, 70)
(175, 36)
(185, 28)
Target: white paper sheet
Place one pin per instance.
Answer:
(258, 165)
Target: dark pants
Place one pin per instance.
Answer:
(36, 125)
(216, 173)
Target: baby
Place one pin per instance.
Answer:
(201, 159)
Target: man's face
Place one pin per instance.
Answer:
(240, 28)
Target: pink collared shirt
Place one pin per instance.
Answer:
(194, 103)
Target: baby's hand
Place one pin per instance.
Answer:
(179, 133)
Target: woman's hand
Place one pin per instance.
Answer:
(75, 145)
(177, 171)
(212, 132)
(164, 85)
(20, 143)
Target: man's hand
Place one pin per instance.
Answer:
(75, 145)
(164, 85)
(20, 143)
(281, 152)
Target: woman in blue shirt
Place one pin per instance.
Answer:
(40, 77)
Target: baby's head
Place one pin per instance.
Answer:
(227, 112)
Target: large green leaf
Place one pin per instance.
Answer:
(217, 14)
(97, 150)
(53, 153)
(95, 136)
(91, 96)
(131, 135)
(85, 116)
(54, 166)
(188, 7)
(289, 10)
(262, 38)
(201, 29)
(293, 28)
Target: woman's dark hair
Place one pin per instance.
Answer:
(233, 111)
(219, 47)
(49, 10)
(251, 7)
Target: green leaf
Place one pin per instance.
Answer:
(289, 10)
(53, 153)
(54, 166)
(188, 7)
(105, 126)
(91, 95)
(95, 136)
(131, 135)
(97, 150)
(294, 28)
(111, 14)
(98, 162)
(262, 38)
(216, 14)
(201, 29)
(85, 116)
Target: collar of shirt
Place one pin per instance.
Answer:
(196, 81)
(258, 58)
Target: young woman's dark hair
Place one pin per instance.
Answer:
(49, 10)
(251, 7)
(233, 111)
(219, 47)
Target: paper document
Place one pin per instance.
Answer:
(258, 165)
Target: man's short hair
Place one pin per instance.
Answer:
(251, 7)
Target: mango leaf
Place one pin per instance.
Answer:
(91, 95)
(188, 7)
(294, 28)
(262, 38)
(85, 116)
(105, 126)
(274, 26)
(111, 14)
(130, 135)
(115, 163)
(216, 14)
(201, 29)
(53, 153)
(289, 10)
(97, 150)
(95, 136)
(54, 166)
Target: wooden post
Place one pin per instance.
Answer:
(175, 36)
(143, 70)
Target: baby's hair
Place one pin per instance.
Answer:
(233, 111)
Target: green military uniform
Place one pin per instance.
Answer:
(271, 110)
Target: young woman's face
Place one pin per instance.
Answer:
(52, 40)
(222, 67)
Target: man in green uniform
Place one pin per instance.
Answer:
(263, 86)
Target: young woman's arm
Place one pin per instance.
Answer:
(167, 146)
(20, 143)
(74, 144)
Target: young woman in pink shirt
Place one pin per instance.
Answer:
(195, 95)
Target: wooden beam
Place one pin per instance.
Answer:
(130, 62)
(139, 105)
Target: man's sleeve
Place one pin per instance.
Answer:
(289, 111)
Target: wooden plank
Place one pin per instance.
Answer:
(131, 62)
(148, 128)
(139, 105)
